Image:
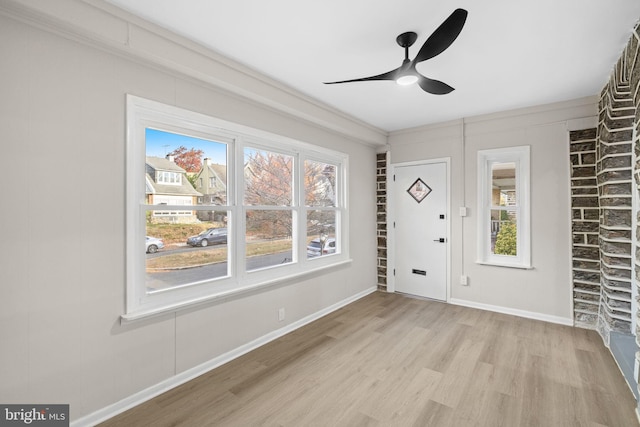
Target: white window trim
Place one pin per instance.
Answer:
(143, 113)
(521, 157)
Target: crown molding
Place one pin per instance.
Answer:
(108, 28)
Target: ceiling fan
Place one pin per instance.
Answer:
(406, 73)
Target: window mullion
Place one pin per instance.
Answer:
(240, 219)
(300, 216)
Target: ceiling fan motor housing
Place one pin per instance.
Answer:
(407, 39)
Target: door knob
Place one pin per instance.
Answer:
(440, 240)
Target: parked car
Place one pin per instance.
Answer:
(153, 244)
(315, 249)
(208, 237)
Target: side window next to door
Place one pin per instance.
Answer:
(503, 207)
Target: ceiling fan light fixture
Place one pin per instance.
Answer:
(406, 74)
(407, 80)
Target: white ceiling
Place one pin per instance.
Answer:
(510, 53)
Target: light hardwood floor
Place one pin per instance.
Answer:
(390, 360)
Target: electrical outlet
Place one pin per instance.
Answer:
(281, 314)
(464, 280)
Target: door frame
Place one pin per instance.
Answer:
(391, 237)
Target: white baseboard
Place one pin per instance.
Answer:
(183, 377)
(513, 311)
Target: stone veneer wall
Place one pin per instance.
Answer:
(614, 173)
(585, 228)
(618, 134)
(632, 61)
(381, 197)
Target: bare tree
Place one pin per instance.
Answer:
(268, 178)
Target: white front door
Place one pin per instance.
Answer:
(421, 216)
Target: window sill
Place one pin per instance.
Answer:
(145, 313)
(507, 265)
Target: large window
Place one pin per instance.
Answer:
(223, 208)
(503, 207)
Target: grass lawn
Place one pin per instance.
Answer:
(211, 255)
(178, 233)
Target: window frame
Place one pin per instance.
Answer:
(264, 146)
(339, 241)
(486, 159)
(143, 113)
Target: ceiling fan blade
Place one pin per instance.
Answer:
(435, 87)
(390, 75)
(443, 36)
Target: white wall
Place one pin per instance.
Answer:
(545, 292)
(64, 75)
